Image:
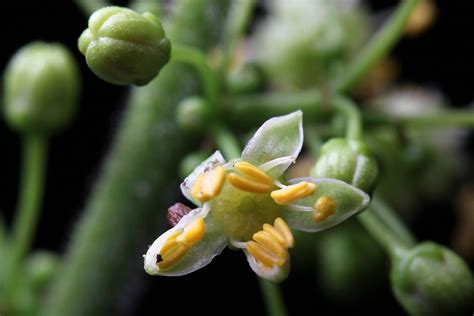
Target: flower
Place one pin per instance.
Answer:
(244, 205)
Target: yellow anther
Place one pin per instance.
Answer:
(282, 227)
(323, 208)
(192, 233)
(271, 230)
(269, 242)
(208, 184)
(293, 192)
(172, 256)
(179, 243)
(263, 255)
(248, 185)
(269, 246)
(253, 172)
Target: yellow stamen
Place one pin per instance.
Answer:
(248, 185)
(208, 184)
(281, 226)
(253, 172)
(323, 208)
(293, 192)
(180, 242)
(192, 233)
(262, 255)
(269, 246)
(269, 242)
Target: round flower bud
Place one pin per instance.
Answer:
(192, 113)
(41, 268)
(432, 280)
(124, 47)
(349, 161)
(249, 78)
(41, 88)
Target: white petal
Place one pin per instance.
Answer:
(349, 201)
(215, 159)
(200, 254)
(275, 274)
(277, 138)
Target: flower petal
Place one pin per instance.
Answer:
(200, 254)
(275, 274)
(215, 159)
(277, 138)
(348, 200)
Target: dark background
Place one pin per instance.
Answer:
(443, 58)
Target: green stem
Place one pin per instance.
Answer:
(225, 141)
(251, 110)
(194, 57)
(142, 6)
(385, 227)
(353, 117)
(33, 172)
(239, 16)
(89, 6)
(273, 298)
(377, 48)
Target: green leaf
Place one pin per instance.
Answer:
(276, 144)
(349, 200)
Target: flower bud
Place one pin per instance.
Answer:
(41, 87)
(192, 113)
(249, 78)
(124, 47)
(349, 161)
(41, 268)
(432, 280)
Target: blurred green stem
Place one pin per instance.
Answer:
(35, 149)
(273, 298)
(194, 57)
(378, 47)
(239, 16)
(387, 228)
(225, 141)
(89, 6)
(353, 117)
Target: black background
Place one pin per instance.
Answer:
(443, 58)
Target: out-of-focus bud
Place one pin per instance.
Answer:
(41, 88)
(422, 18)
(349, 161)
(192, 113)
(190, 162)
(249, 78)
(41, 268)
(124, 47)
(432, 280)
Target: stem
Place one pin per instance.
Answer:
(385, 227)
(194, 57)
(273, 298)
(251, 110)
(390, 219)
(377, 48)
(33, 171)
(239, 17)
(89, 6)
(142, 6)
(352, 114)
(225, 141)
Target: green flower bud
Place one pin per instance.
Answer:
(349, 161)
(432, 280)
(192, 113)
(41, 88)
(41, 268)
(249, 78)
(124, 47)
